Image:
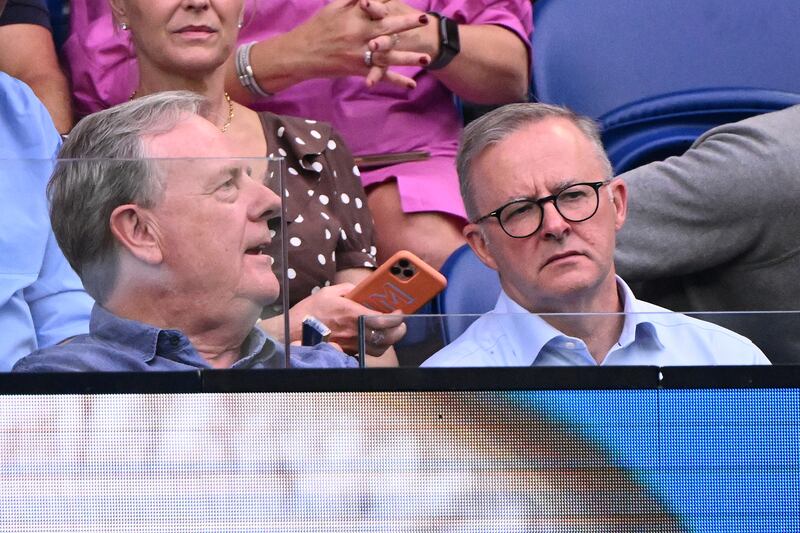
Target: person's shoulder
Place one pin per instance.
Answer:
(16, 94)
(709, 343)
(307, 134)
(24, 121)
(322, 355)
(65, 357)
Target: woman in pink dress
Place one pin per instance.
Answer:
(312, 57)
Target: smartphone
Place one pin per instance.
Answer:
(403, 282)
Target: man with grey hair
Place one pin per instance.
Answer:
(544, 211)
(171, 244)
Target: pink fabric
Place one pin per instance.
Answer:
(385, 119)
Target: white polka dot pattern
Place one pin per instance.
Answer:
(319, 166)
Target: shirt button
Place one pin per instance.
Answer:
(569, 345)
(174, 340)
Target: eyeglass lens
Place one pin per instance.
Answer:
(523, 217)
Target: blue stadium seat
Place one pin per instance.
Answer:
(595, 56)
(655, 128)
(472, 288)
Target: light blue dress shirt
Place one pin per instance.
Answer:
(42, 301)
(651, 335)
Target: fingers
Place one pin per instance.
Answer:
(379, 340)
(383, 321)
(383, 43)
(340, 289)
(400, 23)
(399, 79)
(375, 9)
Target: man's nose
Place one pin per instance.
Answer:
(265, 204)
(554, 226)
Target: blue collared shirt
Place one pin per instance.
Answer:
(116, 344)
(651, 335)
(42, 301)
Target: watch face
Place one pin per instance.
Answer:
(449, 36)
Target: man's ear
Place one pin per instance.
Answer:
(619, 196)
(134, 230)
(477, 241)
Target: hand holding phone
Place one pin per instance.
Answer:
(403, 282)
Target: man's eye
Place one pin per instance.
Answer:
(518, 210)
(568, 196)
(228, 184)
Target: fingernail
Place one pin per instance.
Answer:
(423, 19)
(423, 60)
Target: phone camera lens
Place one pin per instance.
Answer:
(396, 270)
(404, 263)
(408, 272)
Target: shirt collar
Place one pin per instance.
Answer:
(529, 333)
(149, 342)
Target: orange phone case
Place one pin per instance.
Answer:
(403, 282)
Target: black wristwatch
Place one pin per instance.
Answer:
(449, 43)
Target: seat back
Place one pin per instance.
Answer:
(595, 56)
(656, 128)
(472, 288)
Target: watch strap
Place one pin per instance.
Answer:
(449, 43)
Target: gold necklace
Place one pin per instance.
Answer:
(230, 110)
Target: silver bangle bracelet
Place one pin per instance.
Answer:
(245, 72)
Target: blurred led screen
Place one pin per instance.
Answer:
(550, 461)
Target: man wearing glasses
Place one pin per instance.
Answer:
(544, 213)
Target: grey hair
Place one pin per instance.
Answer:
(496, 125)
(103, 164)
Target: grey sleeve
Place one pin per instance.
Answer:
(734, 194)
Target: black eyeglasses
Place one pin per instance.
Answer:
(523, 217)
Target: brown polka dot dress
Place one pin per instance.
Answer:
(329, 223)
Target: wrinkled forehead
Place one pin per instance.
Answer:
(537, 160)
